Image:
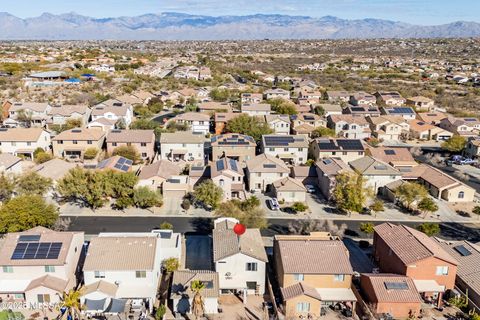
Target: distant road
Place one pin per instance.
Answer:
(94, 225)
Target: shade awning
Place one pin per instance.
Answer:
(428, 286)
(116, 306)
(286, 156)
(96, 305)
(336, 294)
(13, 286)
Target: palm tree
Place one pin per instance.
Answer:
(71, 301)
(198, 305)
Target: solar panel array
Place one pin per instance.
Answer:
(358, 109)
(220, 165)
(278, 140)
(346, 144)
(233, 164)
(401, 110)
(123, 164)
(389, 152)
(269, 165)
(396, 285)
(470, 119)
(327, 145)
(327, 161)
(36, 250)
(462, 250)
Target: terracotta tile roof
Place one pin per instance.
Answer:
(161, 168)
(67, 110)
(181, 137)
(392, 154)
(192, 116)
(80, 134)
(225, 116)
(232, 139)
(48, 281)
(34, 106)
(348, 118)
(226, 243)
(299, 289)
(20, 134)
(379, 283)
(372, 167)
(132, 136)
(420, 126)
(108, 288)
(121, 253)
(308, 256)
(182, 281)
(410, 245)
(332, 166)
(288, 184)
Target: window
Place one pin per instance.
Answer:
(144, 154)
(285, 149)
(143, 144)
(60, 141)
(99, 274)
(7, 269)
(43, 298)
(140, 274)
(442, 271)
(222, 182)
(300, 149)
(339, 277)
(303, 307)
(461, 195)
(259, 174)
(49, 268)
(251, 266)
(19, 296)
(114, 144)
(299, 277)
(89, 142)
(271, 149)
(29, 143)
(14, 144)
(75, 142)
(334, 153)
(251, 285)
(129, 144)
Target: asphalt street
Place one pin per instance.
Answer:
(93, 225)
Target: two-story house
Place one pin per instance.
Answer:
(263, 170)
(256, 109)
(466, 127)
(305, 123)
(406, 113)
(127, 266)
(73, 143)
(228, 175)
(327, 171)
(196, 122)
(421, 103)
(251, 97)
(402, 250)
(276, 93)
(389, 127)
(239, 260)
(113, 110)
(377, 174)
(28, 114)
(362, 99)
(142, 140)
(182, 146)
(61, 113)
(235, 146)
(390, 98)
(39, 265)
(23, 141)
(279, 123)
(289, 148)
(349, 126)
(338, 96)
(313, 272)
(345, 149)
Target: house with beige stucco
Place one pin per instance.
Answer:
(73, 143)
(228, 175)
(345, 149)
(289, 190)
(263, 170)
(235, 146)
(142, 140)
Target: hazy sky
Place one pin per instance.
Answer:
(412, 11)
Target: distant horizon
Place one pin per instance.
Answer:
(232, 15)
(425, 12)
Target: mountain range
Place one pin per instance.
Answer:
(180, 26)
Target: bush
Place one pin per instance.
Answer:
(161, 310)
(129, 152)
(171, 264)
(186, 204)
(166, 226)
(90, 153)
(43, 157)
(299, 207)
(144, 197)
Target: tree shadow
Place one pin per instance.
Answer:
(202, 225)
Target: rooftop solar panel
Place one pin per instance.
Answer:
(350, 144)
(220, 165)
(396, 285)
(269, 165)
(327, 145)
(121, 161)
(357, 109)
(389, 152)
(125, 168)
(36, 250)
(462, 250)
(327, 161)
(29, 238)
(233, 164)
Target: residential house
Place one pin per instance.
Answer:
(441, 185)
(310, 282)
(472, 148)
(28, 114)
(405, 251)
(142, 140)
(102, 124)
(338, 96)
(251, 98)
(182, 294)
(467, 127)
(240, 261)
(61, 113)
(307, 175)
(182, 146)
(257, 109)
(406, 113)
(362, 111)
(73, 143)
(376, 173)
(305, 123)
(289, 190)
(424, 131)
(23, 141)
(213, 106)
(10, 164)
(392, 98)
(221, 119)
(362, 99)
(431, 117)
(279, 123)
(398, 157)
(389, 127)
(276, 93)
(155, 174)
(129, 264)
(330, 109)
(392, 294)
(197, 174)
(176, 187)
(349, 126)
(263, 170)
(235, 146)
(421, 103)
(55, 169)
(311, 97)
(228, 175)
(290, 148)
(115, 110)
(345, 149)
(197, 122)
(39, 265)
(468, 256)
(327, 171)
